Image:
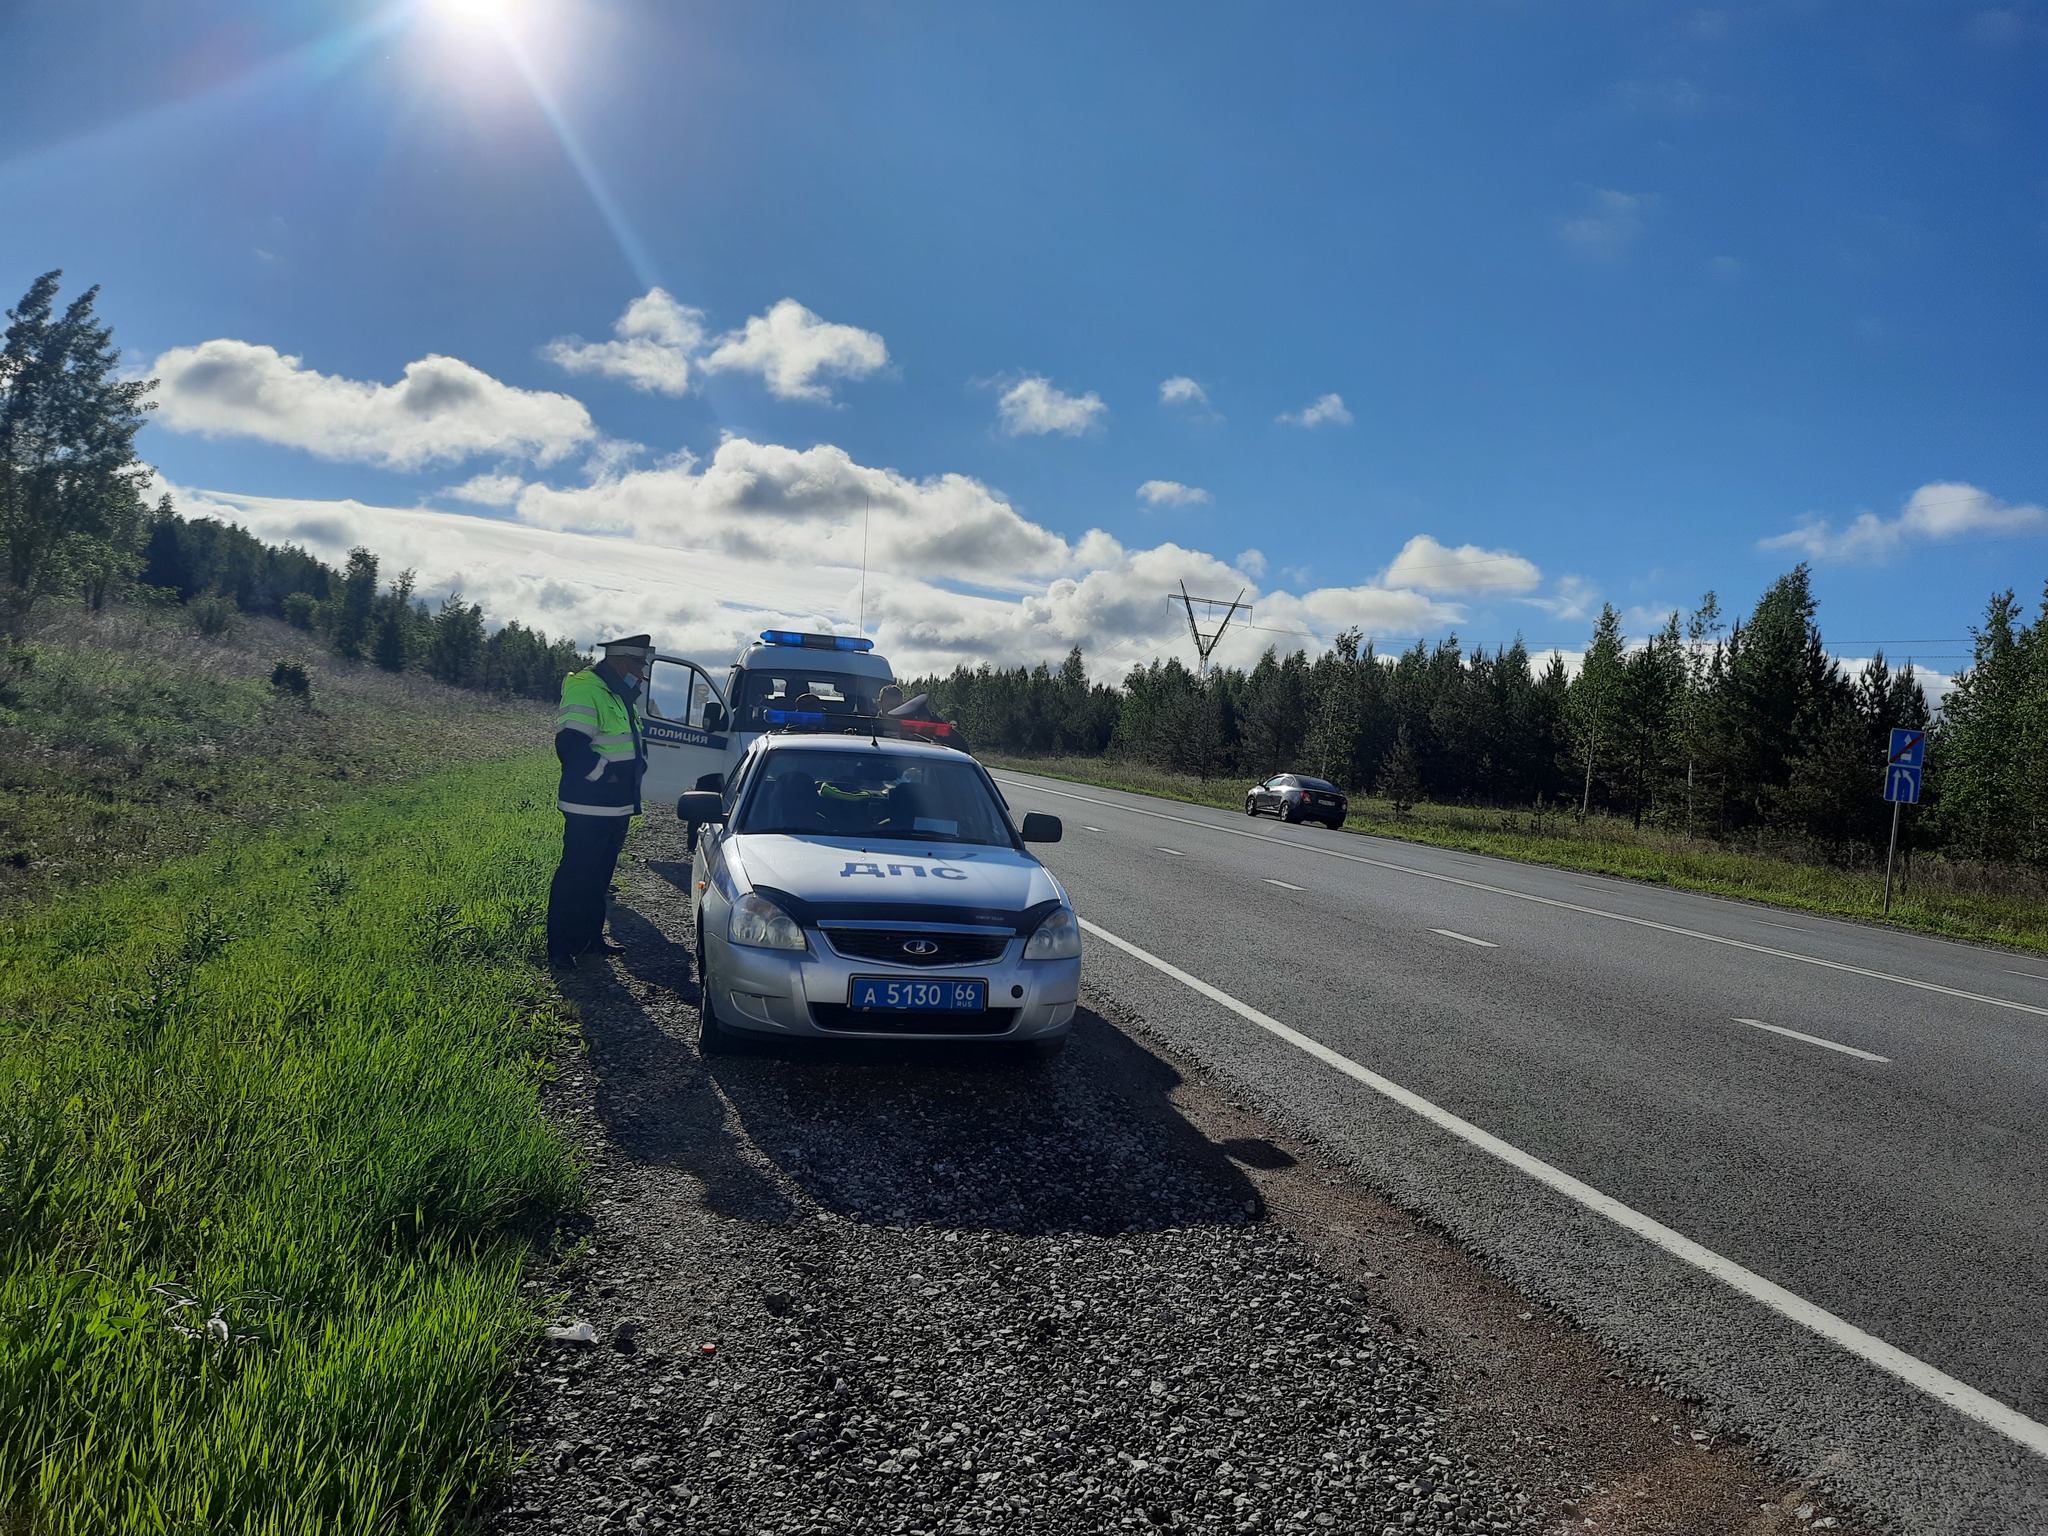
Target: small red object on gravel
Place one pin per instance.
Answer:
(707, 1349)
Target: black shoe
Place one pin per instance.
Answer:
(561, 962)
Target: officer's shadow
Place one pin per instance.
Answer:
(654, 1096)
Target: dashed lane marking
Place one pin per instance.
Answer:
(2035, 974)
(1086, 828)
(1788, 927)
(1465, 938)
(1174, 851)
(1917, 1373)
(1572, 906)
(1793, 1034)
(1283, 885)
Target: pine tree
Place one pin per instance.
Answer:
(1595, 694)
(358, 602)
(71, 513)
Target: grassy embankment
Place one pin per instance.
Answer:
(125, 737)
(1955, 901)
(271, 1152)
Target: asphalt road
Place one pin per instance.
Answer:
(1888, 1169)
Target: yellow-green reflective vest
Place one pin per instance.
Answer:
(597, 737)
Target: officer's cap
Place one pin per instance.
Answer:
(628, 645)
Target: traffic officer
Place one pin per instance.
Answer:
(597, 738)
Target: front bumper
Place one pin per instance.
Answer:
(781, 992)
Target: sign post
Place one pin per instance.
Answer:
(1902, 769)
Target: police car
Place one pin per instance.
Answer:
(861, 883)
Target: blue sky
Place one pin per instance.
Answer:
(1612, 296)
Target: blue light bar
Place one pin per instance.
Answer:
(816, 642)
(794, 716)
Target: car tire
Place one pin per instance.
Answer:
(1251, 808)
(1290, 815)
(713, 1038)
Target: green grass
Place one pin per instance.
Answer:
(271, 1161)
(126, 738)
(1954, 901)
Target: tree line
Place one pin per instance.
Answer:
(76, 526)
(1706, 727)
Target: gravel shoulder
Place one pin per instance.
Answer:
(850, 1289)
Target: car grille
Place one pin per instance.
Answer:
(845, 1020)
(886, 946)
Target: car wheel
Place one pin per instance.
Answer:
(1251, 807)
(713, 1038)
(1290, 815)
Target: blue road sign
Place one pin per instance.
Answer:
(1909, 750)
(1902, 783)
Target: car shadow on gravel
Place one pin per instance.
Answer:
(969, 1137)
(964, 1136)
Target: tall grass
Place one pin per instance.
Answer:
(271, 1159)
(1938, 896)
(126, 738)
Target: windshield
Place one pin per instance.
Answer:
(802, 687)
(874, 793)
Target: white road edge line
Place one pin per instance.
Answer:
(1917, 1373)
(1793, 1034)
(1572, 906)
(1465, 938)
(1282, 884)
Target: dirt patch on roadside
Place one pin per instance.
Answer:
(853, 1289)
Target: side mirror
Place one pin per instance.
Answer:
(701, 806)
(714, 717)
(715, 782)
(1040, 828)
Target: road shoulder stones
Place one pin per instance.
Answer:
(840, 1289)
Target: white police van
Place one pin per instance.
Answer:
(697, 731)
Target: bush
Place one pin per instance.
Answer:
(214, 615)
(301, 609)
(291, 677)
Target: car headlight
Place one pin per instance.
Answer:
(758, 922)
(1057, 938)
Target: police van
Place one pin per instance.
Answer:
(697, 730)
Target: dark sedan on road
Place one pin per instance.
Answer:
(1296, 797)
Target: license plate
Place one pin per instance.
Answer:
(890, 994)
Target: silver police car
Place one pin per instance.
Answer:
(870, 886)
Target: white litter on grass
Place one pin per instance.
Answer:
(574, 1333)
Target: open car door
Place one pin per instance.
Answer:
(684, 718)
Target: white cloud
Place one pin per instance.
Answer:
(1170, 493)
(1571, 599)
(778, 506)
(488, 490)
(1611, 226)
(791, 349)
(1942, 510)
(704, 554)
(1326, 409)
(442, 410)
(1035, 406)
(656, 339)
(1182, 390)
(1432, 567)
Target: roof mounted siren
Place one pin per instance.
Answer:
(816, 642)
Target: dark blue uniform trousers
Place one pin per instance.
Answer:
(576, 896)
